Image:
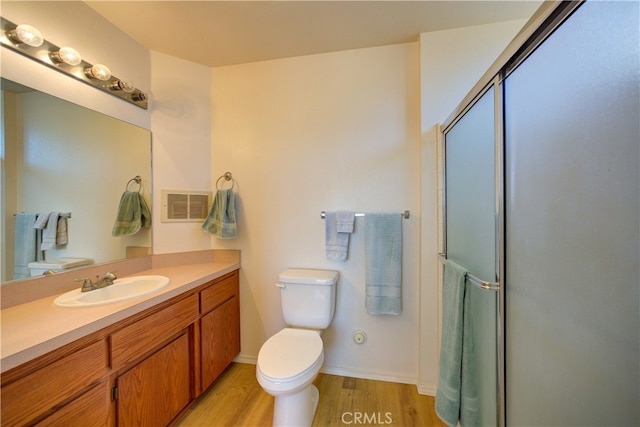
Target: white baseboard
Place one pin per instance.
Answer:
(355, 373)
(427, 390)
(243, 358)
(367, 375)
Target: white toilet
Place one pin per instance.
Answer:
(290, 360)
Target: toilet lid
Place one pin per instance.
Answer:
(289, 353)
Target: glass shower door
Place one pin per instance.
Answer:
(572, 156)
(471, 239)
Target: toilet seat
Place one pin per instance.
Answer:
(289, 359)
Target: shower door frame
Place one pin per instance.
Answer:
(498, 114)
(546, 19)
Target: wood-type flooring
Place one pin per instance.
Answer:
(236, 399)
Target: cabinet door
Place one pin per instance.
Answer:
(220, 331)
(157, 389)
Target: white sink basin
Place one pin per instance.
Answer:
(121, 290)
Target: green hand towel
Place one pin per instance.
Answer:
(221, 221)
(133, 214)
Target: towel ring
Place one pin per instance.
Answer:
(138, 180)
(227, 177)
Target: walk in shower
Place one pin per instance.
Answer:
(542, 207)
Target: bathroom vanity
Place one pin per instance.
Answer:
(136, 362)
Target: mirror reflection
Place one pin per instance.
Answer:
(58, 157)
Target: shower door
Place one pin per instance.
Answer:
(470, 236)
(572, 138)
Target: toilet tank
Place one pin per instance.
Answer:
(38, 268)
(308, 297)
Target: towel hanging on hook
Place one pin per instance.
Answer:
(227, 177)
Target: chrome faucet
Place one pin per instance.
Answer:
(104, 281)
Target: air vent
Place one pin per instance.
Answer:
(185, 205)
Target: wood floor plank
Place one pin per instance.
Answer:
(237, 400)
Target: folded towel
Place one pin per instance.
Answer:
(25, 244)
(383, 263)
(50, 232)
(221, 220)
(133, 214)
(336, 244)
(62, 238)
(457, 397)
(41, 221)
(345, 221)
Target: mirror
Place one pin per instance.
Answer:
(60, 157)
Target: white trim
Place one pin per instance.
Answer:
(243, 358)
(352, 373)
(427, 390)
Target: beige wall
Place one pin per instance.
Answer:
(181, 129)
(336, 131)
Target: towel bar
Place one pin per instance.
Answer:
(405, 214)
(62, 215)
(482, 284)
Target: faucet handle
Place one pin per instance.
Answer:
(87, 284)
(110, 276)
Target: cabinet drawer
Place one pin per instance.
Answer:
(91, 409)
(134, 341)
(26, 398)
(219, 292)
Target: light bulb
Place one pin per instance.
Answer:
(26, 34)
(123, 86)
(67, 55)
(98, 71)
(139, 96)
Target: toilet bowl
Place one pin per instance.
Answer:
(290, 360)
(287, 365)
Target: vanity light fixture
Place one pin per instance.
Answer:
(26, 34)
(98, 71)
(28, 41)
(66, 55)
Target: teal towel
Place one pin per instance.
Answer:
(221, 221)
(25, 244)
(457, 397)
(50, 232)
(383, 263)
(133, 214)
(336, 242)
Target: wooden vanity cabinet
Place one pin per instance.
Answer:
(143, 371)
(219, 327)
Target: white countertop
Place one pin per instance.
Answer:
(35, 328)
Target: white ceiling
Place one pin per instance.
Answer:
(218, 33)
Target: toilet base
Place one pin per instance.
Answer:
(296, 409)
